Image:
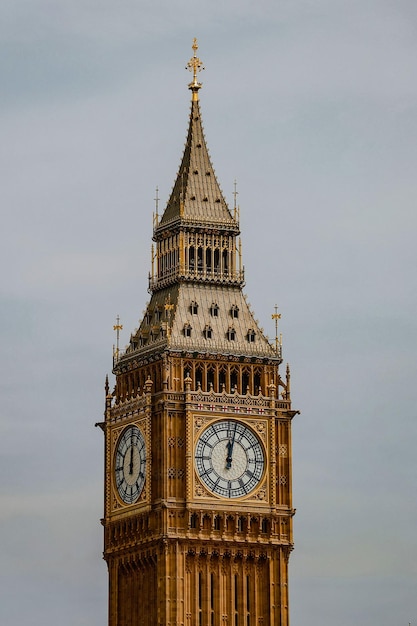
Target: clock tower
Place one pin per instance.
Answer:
(198, 498)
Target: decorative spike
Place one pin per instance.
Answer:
(117, 327)
(235, 193)
(276, 316)
(156, 206)
(288, 381)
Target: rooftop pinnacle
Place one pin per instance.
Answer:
(195, 65)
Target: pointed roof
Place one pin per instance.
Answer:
(196, 196)
(196, 313)
(159, 330)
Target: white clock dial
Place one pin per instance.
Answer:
(229, 459)
(130, 464)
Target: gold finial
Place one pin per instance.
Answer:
(195, 65)
(169, 307)
(183, 175)
(117, 327)
(153, 257)
(235, 194)
(235, 206)
(157, 198)
(278, 340)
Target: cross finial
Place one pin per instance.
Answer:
(168, 308)
(117, 327)
(155, 215)
(278, 340)
(195, 65)
(235, 194)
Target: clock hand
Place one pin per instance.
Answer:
(131, 460)
(229, 447)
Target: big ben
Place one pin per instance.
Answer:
(198, 494)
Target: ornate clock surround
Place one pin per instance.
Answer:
(201, 422)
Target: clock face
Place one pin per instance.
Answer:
(130, 464)
(229, 459)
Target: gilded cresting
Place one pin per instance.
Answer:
(198, 498)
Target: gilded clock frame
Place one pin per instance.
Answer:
(116, 501)
(261, 428)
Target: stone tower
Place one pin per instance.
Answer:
(198, 497)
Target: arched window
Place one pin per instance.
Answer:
(245, 382)
(254, 525)
(257, 382)
(192, 258)
(210, 377)
(233, 380)
(214, 310)
(216, 261)
(225, 261)
(222, 379)
(187, 330)
(199, 375)
(208, 259)
(200, 259)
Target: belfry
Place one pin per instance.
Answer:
(198, 495)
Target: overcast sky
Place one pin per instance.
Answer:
(311, 105)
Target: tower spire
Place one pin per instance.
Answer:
(196, 194)
(195, 65)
